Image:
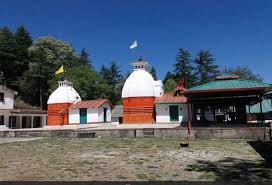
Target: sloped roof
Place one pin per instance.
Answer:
(5, 88)
(231, 84)
(266, 107)
(90, 104)
(170, 98)
(117, 111)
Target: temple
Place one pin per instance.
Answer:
(139, 93)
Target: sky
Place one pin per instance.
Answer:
(238, 32)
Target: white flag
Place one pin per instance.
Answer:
(133, 45)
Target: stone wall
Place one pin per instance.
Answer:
(199, 133)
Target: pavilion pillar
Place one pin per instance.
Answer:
(261, 109)
(20, 121)
(249, 112)
(189, 119)
(214, 117)
(31, 121)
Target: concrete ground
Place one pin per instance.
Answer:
(131, 159)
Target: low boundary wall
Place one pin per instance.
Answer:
(197, 132)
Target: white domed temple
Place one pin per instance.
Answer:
(139, 93)
(59, 102)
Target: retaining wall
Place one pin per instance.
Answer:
(205, 133)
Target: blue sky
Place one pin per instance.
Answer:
(238, 32)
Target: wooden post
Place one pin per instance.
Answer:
(261, 109)
(32, 121)
(189, 120)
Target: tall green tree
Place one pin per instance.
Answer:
(183, 68)
(170, 85)
(57, 52)
(46, 55)
(34, 83)
(24, 41)
(88, 83)
(84, 58)
(153, 72)
(168, 76)
(8, 48)
(244, 72)
(206, 69)
(115, 80)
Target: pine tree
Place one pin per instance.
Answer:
(170, 85)
(114, 78)
(24, 41)
(34, 83)
(84, 58)
(8, 47)
(183, 68)
(153, 73)
(167, 76)
(206, 68)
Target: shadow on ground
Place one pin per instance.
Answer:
(234, 169)
(264, 148)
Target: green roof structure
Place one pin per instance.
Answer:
(231, 84)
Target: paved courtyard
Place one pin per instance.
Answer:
(130, 159)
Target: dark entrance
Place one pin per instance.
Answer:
(173, 110)
(83, 116)
(105, 114)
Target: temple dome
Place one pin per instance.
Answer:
(65, 93)
(140, 83)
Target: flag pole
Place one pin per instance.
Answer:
(64, 72)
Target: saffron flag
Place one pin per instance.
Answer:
(133, 45)
(60, 70)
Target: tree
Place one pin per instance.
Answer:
(126, 75)
(206, 68)
(57, 52)
(115, 80)
(88, 83)
(8, 48)
(46, 55)
(245, 73)
(34, 83)
(167, 76)
(84, 58)
(183, 68)
(24, 41)
(153, 73)
(170, 85)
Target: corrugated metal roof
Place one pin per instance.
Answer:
(170, 98)
(90, 104)
(231, 84)
(266, 107)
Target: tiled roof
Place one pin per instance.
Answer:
(28, 111)
(90, 104)
(170, 98)
(231, 84)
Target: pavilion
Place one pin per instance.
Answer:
(226, 101)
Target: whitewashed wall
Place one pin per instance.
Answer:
(8, 99)
(163, 114)
(94, 115)
(73, 116)
(101, 113)
(6, 114)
